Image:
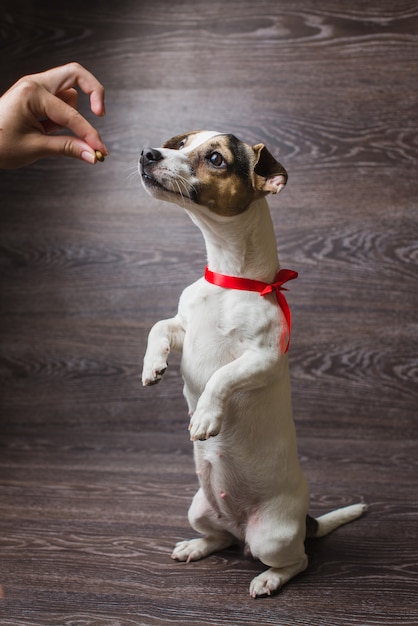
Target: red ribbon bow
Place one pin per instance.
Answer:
(247, 284)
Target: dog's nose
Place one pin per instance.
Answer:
(150, 155)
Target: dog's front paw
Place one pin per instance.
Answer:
(153, 370)
(204, 424)
(153, 375)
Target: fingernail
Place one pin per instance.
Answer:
(89, 157)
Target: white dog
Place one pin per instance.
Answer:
(234, 361)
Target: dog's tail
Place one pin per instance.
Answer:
(330, 521)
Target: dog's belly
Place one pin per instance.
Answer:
(244, 479)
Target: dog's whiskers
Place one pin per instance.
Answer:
(183, 186)
(188, 187)
(132, 173)
(179, 188)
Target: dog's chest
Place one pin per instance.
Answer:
(221, 324)
(225, 320)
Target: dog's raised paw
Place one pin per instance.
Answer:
(201, 430)
(157, 377)
(155, 361)
(206, 421)
(153, 377)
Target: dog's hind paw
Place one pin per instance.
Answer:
(266, 583)
(192, 550)
(271, 580)
(196, 549)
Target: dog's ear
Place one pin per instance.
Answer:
(176, 142)
(270, 175)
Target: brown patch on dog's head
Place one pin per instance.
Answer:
(222, 167)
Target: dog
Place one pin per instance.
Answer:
(234, 358)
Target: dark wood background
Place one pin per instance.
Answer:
(96, 473)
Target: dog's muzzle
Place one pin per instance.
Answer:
(160, 180)
(150, 156)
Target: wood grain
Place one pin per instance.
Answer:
(96, 473)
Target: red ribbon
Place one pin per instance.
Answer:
(247, 284)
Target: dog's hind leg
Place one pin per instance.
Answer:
(203, 519)
(274, 578)
(277, 541)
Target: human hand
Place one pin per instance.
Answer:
(40, 104)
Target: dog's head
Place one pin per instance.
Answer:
(211, 169)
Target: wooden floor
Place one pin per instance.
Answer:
(96, 473)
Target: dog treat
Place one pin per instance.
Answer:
(99, 156)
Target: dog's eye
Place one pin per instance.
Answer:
(216, 159)
(181, 144)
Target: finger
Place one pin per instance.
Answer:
(70, 97)
(63, 77)
(97, 104)
(63, 115)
